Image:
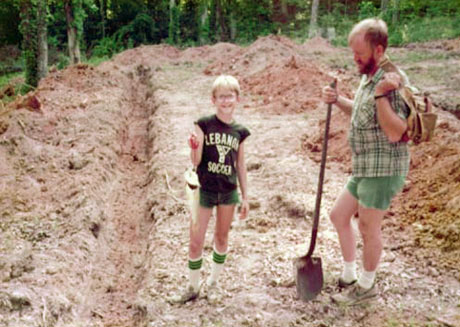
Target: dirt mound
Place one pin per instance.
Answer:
(431, 201)
(287, 86)
(275, 72)
(337, 148)
(318, 45)
(255, 58)
(444, 45)
(152, 53)
(221, 51)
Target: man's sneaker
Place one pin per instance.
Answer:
(214, 294)
(188, 294)
(355, 295)
(344, 284)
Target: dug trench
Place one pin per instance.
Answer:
(75, 211)
(94, 226)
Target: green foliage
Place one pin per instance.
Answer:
(9, 18)
(253, 19)
(173, 31)
(129, 23)
(429, 28)
(106, 47)
(63, 61)
(367, 9)
(189, 20)
(140, 31)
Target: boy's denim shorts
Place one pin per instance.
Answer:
(211, 199)
(375, 192)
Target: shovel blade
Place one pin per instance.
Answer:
(309, 277)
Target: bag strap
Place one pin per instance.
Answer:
(389, 67)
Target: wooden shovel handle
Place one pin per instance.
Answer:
(319, 192)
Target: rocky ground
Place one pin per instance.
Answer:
(94, 223)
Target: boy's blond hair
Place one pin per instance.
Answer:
(227, 82)
(375, 29)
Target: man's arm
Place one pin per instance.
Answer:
(344, 104)
(331, 96)
(392, 125)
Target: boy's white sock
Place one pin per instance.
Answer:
(366, 280)
(349, 271)
(218, 260)
(194, 269)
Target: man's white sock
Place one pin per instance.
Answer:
(349, 271)
(366, 280)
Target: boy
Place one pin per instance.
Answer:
(217, 150)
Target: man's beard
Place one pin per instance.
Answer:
(368, 67)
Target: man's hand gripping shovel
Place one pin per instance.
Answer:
(308, 269)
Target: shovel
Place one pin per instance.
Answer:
(308, 269)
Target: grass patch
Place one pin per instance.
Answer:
(5, 79)
(95, 61)
(416, 56)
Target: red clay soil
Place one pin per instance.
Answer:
(431, 199)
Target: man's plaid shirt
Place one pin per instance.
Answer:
(372, 154)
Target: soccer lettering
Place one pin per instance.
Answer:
(222, 139)
(218, 168)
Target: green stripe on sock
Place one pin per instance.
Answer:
(218, 258)
(194, 265)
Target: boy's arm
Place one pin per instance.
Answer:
(242, 179)
(195, 142)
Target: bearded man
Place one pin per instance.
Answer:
(380, 159)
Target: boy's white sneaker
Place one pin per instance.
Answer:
(188, 294)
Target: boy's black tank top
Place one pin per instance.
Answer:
(217, 169)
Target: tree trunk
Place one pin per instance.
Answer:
(42, 35)
(222, 21)
(232, 27)
(213, 21)
(72, 33)
(172, 31)
(395, 12)
(383, 5)
(102, 7)
(29, 43)
(203, 33)
(313, 31)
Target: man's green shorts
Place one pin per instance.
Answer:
(211, 199)
(375, 192)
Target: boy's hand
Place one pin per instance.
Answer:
(193, 141)
(244, 209)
